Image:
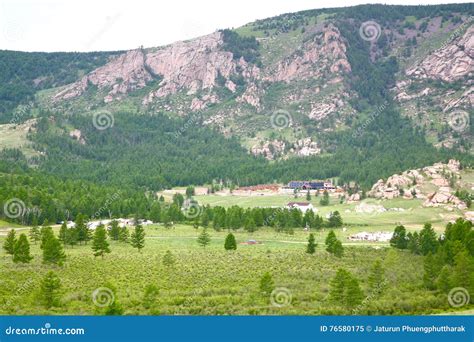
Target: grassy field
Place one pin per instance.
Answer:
(413, 215)
(210, 280)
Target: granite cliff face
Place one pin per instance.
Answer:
(305, 73)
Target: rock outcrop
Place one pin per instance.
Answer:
(450, 62)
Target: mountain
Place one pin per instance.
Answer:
(355, 93)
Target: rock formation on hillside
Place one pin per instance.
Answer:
(411, 184)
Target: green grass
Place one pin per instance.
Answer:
(413, 217)
(211, 280)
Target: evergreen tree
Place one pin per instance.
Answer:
(399, 238)
(345, 289)
(325, 199)
(9, 243)
(413, 243)
(114, 231)
(169, 259)
(431, 269)
(137, 238)
(376, 276)
(124, 235)
(35, 234)
(428, 241)
(46, 234)
(100, 245)
(49, 289)
(333, 245)
(463, 271)
(311, 247)
(204, 238)
(335, 220)
(22, 250)
(230, 243)
(267, 284)
(443, 282)
(63, 233)
(308, 196)
(53, 252)
(308, 218)
(83, 232)
(71, 236)
(250, 225)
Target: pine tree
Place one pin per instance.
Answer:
(22, 250)
(230, 243)
(250, 225)
(428, 240)
(53, 252)
(308, 196)
(71, 236)
(9, 243)
(63, 233)
(431, 269)
(168, 259)
(46, 234)
(333, 245)
(266, 284)
(376, 276)
(335, 220)
(83, 232)
(204, 238)
(114, 231)
(345, 289)
(49, 289)
(443, 282)
(325, 199)
(399, 238)
(311, 247)
(413, 243)
(124, 235)
(463, 271)
(100, 245)
(137, 239)
(35, 234)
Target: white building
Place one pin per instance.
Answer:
(303, 206)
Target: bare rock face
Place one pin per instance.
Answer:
(124, 74)
(270, 150)
(77, 135)
(410, 184)
(449, 63)
(191, 65)
(326, 52)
